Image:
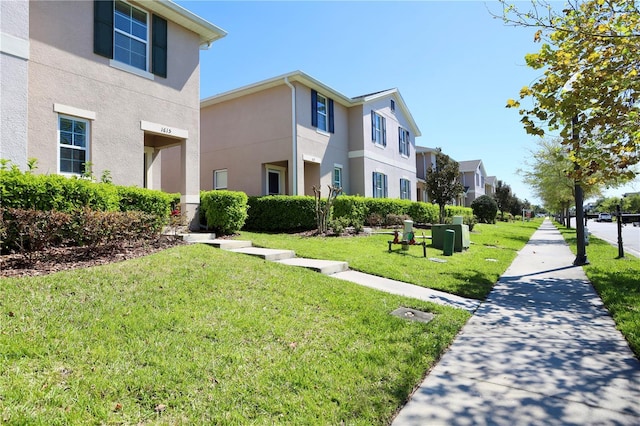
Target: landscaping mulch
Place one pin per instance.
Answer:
(67, 258)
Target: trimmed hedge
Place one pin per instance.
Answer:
(154, 202)
(27, 231)
(281, 213)
(54, 192)
(224, 211)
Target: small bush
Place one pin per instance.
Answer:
(396, 219)
(281, 213)
(485, 209)
(374, 219)
(153, 202)
(353, 208)
(339, 225)
(224, 211)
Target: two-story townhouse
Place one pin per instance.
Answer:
(425, 160)
(490, 185)
(111, 84)
(290, 133)
(472, 177)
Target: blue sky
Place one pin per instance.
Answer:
(454, 64)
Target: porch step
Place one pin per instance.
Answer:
(198, 237)
(265, 253)
(225, 244)
(326, 267)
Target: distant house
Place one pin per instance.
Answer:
(473, 177)
(112, 84)
(290, 133)
(490, 185)
(425, 160)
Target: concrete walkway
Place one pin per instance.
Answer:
(542, 350)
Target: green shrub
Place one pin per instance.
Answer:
(351, 207)
(54, 192)
(387, 206)
(485, 209)
(150, 201)
(422, 212)
(225, 211)
(282, 213)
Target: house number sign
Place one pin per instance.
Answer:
(163, 129)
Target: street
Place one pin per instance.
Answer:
(608, 231)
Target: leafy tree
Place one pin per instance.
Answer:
(548, 174)
(442, 181)
(591, 63)
(485, 209)
(631, 204)
(515, 205)
(503, 197)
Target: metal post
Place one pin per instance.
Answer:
(581, 256)
(619, 223)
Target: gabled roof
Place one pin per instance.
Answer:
(311, 82)
(207, 31)
(471, 166)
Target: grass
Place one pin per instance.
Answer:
(195, 335)
(617, 281)
(471, 273)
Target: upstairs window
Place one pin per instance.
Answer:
(379, 185)
(378, 129)
(393, 105)
(404, 141)
(321, 112)
(73, 144)
(405, 189)
(130, 35)
(127, 35)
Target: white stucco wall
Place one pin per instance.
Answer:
(14, 66)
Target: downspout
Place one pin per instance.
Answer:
(294, 138)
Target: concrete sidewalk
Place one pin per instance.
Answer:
(542, 350)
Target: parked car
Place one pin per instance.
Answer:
(604, 217)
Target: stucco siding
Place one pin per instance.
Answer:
(14, 67)
(244, 133)
(65, 71)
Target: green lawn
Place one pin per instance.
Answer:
(617, 281)
(196, 335)
(471, 273)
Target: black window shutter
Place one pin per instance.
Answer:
(159, 47)
(103, 28)
(331, 128)
(314, 108)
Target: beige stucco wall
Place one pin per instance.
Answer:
(387, 160)
(328, 150)
(243, 134)
(14, 67)
(65, 71)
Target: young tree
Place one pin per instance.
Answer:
(442, 181)
(591, 63)
(503, 197)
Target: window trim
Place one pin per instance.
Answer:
(384, 188)
(146, 42)
(281, 173)
(404, 139)
(378, 129)
(407, 190)
(337, 168)
(215, 179)
(86, 149)
(329, 120)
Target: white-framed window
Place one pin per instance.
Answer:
(378, 129)
(73, 144)
(379, 185)
(322, 113)
(337, 176)
(405, 189)
(404, 141)
(274, 180)
(130, 35)
(393, 105)
(220, 179)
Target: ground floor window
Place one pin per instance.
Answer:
(337, 177)
(73, 144)
(379, 185)
(405, 189)
(220, 179)
(274, 180)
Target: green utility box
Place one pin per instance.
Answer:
(447, 245)
(461, 241)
